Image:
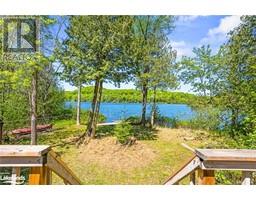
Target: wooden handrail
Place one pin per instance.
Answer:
(189, 167)
(55, 164)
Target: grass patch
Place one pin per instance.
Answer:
(150, 161)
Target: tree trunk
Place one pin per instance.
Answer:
(78, 107)
(34, 109)
(1, 130)
(95, 121)
(144, 104)
(2, 113)
(92, 123)
(34, 99)
(153, 113)
(234, 117)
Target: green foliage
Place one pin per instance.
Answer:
(238, 95)
(228, 82)
(123, 132)
(163, 121)
(152, 54)
(133, 120)
(207, 118)
(98, 54)
(16, 103)
(201, 71)
(15, 84)
(132, 96)
(228, 177)
(85, 116)
(98, 50)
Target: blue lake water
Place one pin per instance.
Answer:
(117, 111)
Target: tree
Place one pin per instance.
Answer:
(74, 71)
(147, 31)
(238, 95)
(23, 90)
(162, 75)
(37, 62)
(100, 48)
(198, 71)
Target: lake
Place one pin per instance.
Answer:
(117, 111)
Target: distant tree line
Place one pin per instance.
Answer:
(132, 96)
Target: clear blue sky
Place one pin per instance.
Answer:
(193, 31)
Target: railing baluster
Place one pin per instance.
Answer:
(192, 177)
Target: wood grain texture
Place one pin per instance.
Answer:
(187, 168)
(23, 150)
(13, 161)
(229, 165)
(227, 154)
(206, 177)
(35, 176)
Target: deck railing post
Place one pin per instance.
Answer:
(206, 177)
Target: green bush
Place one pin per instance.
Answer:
(133, 120)
(163, 121)
(123, 132)
(207, 118)
(225, 177)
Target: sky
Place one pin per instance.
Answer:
(192, 31)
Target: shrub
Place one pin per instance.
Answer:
(123, 132)
(133, 120)
(207, 118)
(163, 121)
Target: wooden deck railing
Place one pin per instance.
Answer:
(40, 160)
(206, 161)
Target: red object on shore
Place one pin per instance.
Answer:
(24, 131)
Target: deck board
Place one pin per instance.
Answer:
(226, 154)
(23, 150)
